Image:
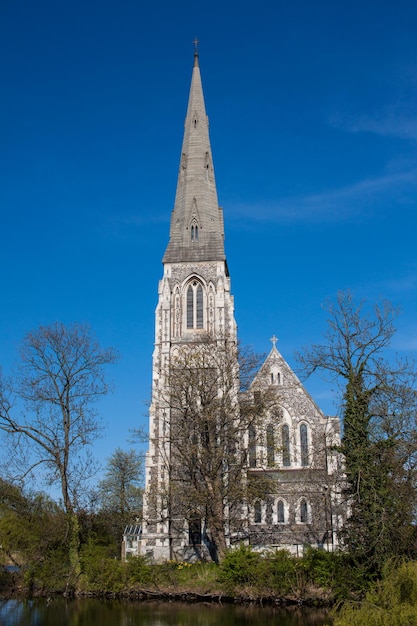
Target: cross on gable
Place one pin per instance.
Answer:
(273, 340)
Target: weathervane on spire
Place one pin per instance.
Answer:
(273, 340)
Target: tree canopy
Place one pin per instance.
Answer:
(379, 444)
(47, 408)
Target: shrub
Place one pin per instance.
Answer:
(240, 566)
(101, 573)
(279, 572)
(53, 572)
(320, 566)
(138, 570)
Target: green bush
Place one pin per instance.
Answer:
(320, 566)
(279, 573)
(53, 572)
(138, 570)
(99, 571)
(240, 566)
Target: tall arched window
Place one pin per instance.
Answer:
(280, 512)
(252, 446)
(258, 512)
(195, 305)
(286, 452)
(270, 446)
(194, 233)
(303, 512)
(194, 531)
(304, 444)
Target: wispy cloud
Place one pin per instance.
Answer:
(392, 121)
(393, 115)
(346, 203)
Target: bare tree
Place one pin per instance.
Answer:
(379, 407)
(48, 406)
(204, 448)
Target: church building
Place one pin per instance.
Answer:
(196, 349)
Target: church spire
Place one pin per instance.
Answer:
(196, 232)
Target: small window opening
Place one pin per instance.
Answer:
(258, 513)
(286, 457)
(280, 512)
(194, 233)
(304, 445)
(252, 447)
(194, 531)
(303, 512)
(270, 446)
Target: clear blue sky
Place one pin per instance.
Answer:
(313, 121)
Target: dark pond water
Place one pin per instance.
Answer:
(88, 612)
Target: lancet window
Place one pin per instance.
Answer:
(195, 305)
(194, 225)
(304, 444)
(194, 531)
(270, 446)
(257, 518)
(194, 233)
(252, 446)
(303, 511)
(286, 452)
(280, 512)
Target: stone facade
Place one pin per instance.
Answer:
(294, 445)
(297, 449)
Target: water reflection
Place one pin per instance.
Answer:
(88, 612)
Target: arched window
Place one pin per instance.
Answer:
(194, 531)
(303, 512)
(280, 512)
(252, 447)
(195, 305)
(194, 233)
(258, 513)
(286, 456)
(270, 446)
(304, 444)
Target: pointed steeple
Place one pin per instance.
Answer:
(196, 231)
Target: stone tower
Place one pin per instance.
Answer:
(194, 303)
(293, 443)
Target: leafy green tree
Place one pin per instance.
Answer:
(120, 492)
(33, 535)
(380, 435)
